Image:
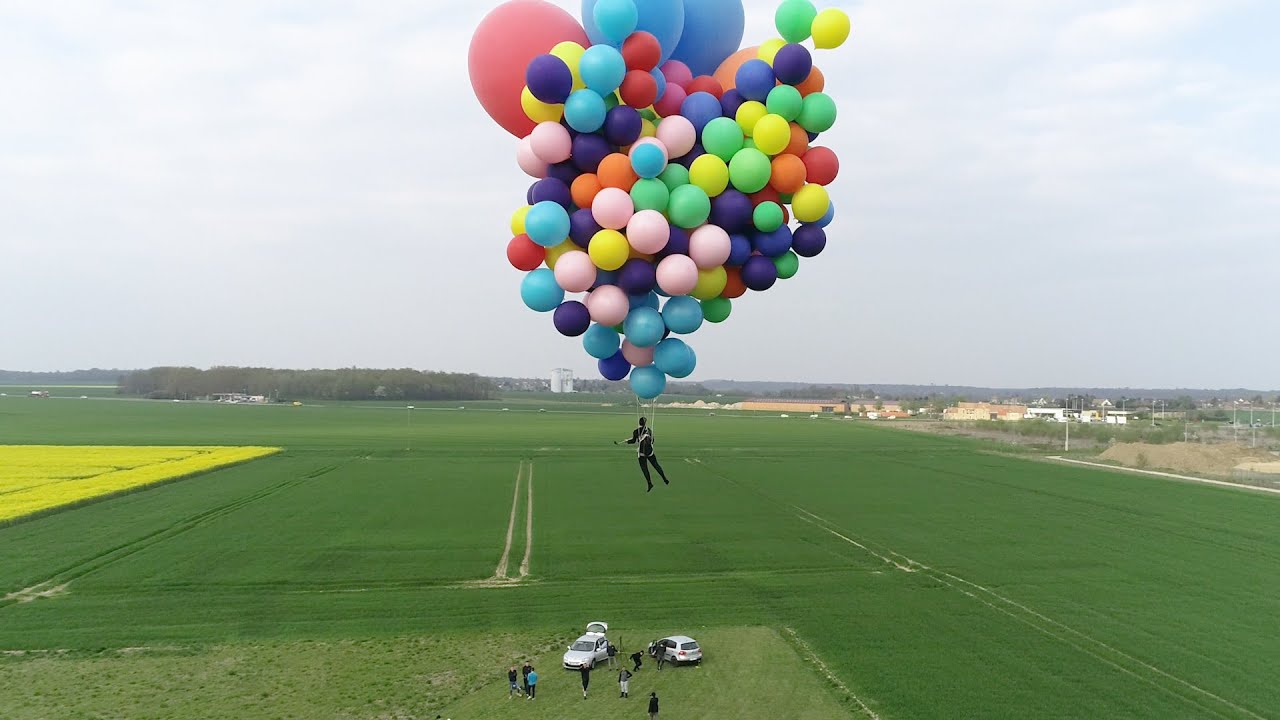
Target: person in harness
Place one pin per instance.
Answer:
(642, 438)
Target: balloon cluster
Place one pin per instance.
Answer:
(669, 165)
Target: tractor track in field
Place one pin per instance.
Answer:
(501, 577)
(56, 585)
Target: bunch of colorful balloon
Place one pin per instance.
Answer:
(669, 164)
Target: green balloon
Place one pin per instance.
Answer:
(818, 114)
(650, 194)
(716, 310)
(788, 265)
(785, 198)
(611, 101)
(722, 137)
(767, 216)
(689, 207)
(674, 176)
(649, 115)
(794, 20)
(749, 170)
(749, 143)
(786, 101)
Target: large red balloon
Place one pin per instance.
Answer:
(504, 43)
(822, 165)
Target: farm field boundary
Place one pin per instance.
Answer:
(1170, 476)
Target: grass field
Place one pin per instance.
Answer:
(831, 569)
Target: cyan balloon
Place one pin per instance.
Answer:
(601, 342)
(712, 32)
(644, 327)
(540, 291)
(682, 315)
(602, 69)
(616, 19)
(664, 19)
(674, 357)
(547, 223)
(648, 382)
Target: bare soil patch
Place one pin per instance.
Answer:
(1194, 458)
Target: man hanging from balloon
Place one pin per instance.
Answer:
(669, 165)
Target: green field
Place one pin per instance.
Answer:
(831, 569)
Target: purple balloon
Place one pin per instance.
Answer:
(732, 211)
(812, 135)
(614, 368)
(677, 244)
(701, 108)
(773, 244)
(687, 159)
(755, 79)
(553, 190)
(605, 277)
(565, 172)
(759, 273)
(809, 240)
(572, 318)
(730, 102)
(739, 250)
(622, 125)
(792, 64)
(588, 150)
(637, 277)
(583, 227)
(549, 79)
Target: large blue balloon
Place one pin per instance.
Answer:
(601, 342)
(644, 327)
(682, 315)
(540, 291)
(614, 367)
(664, 19)
(602, 68)
(712, 32)
(675, 358)
(547, 224)
(648, 382)
(701, 108)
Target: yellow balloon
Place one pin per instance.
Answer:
(711, 282)
(538, 111)
(749, 113)
(810, 203)
(648, 129)
(554, 253)
(709, 173)
(772, 134)
(769, 49)
(517, 220)
(571, 53)
(830, 29)
(609, 249)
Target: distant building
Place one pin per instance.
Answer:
(829, 407)
(968, 411)
(40, 393)
(562, 380)
(239, 398)
(1052, 414)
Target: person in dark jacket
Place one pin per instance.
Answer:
(524, 672)
(642, 438)
(653, 706)
(660, 654)
(585, 671)
(512, 680)
(613, 655)
(624, 680)
(636, 657)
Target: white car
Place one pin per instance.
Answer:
(591, 648)
(677, 648)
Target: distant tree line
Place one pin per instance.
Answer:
(341, 384)
(93, 376)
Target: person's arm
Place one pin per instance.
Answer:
(635, 437)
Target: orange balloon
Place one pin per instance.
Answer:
(615, 172)
(812, 84)
(733, 287)
(799, 144)
(789, 173)
(584, 189)
(727, 73)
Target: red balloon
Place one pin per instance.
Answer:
(501, 48)
(525, 254)
(733, 286)
(768, 194)
(822, 164)
(639, 89)
(707, 84)
(671, 101)
(641, 51)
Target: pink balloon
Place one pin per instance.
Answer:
(677, 73)
(608, 304)
(551, 142)
(530, 163)
(612, 208)
(678, 134)
(677, 275)
(638, 356)
(648, 232)
(575, 272)
(501, 48)
(709, 246)
(671, 102)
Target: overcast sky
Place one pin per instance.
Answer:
(1033, 193)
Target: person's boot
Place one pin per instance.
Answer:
(650, 483)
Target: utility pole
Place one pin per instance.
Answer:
(1235, 426)
(1067, 445)
(1253, 428)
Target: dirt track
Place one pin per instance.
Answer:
(1196, 458)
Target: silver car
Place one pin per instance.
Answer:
(677, 649)
(591, 648)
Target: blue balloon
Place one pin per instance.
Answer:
(540, 291)
(808, 240)
(661, 79)
(712, 32)
(601, 341)
(682, 315)
(701, 108)
(755, 80)
(739, 250)
(615, 19)
(585, 111)
(645, 300)
(605, 277)
(602, 69)
(547, 223)
(773, 244)
(675, 358)
(615, 367)
(648, 382)
(664, 19)
(643, 327)
(825, 220)
(648, 161)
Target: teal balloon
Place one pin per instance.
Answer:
(682, 315)
(585, 111)
(615, 19)
(663, 19)
(675, 358)
(648, 382)
(689, 206)
(644, 327)
(818, 113)
(602, 69)
(601, 342)
(540, 292)
(547, 223)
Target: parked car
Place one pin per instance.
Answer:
(592, 647)
(677, 648)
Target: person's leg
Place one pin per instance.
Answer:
(653, 460)
(644, 468)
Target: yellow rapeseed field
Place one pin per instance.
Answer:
(38, 477)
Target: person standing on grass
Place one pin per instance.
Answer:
(642, 438)
(653, 706)
(585, 670)
(512, 681)
(660, 654)
(533, 685)
(613, 655)
(636, 657)
(624, 679)
(524, 671)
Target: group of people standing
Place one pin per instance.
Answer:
(525, 682)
